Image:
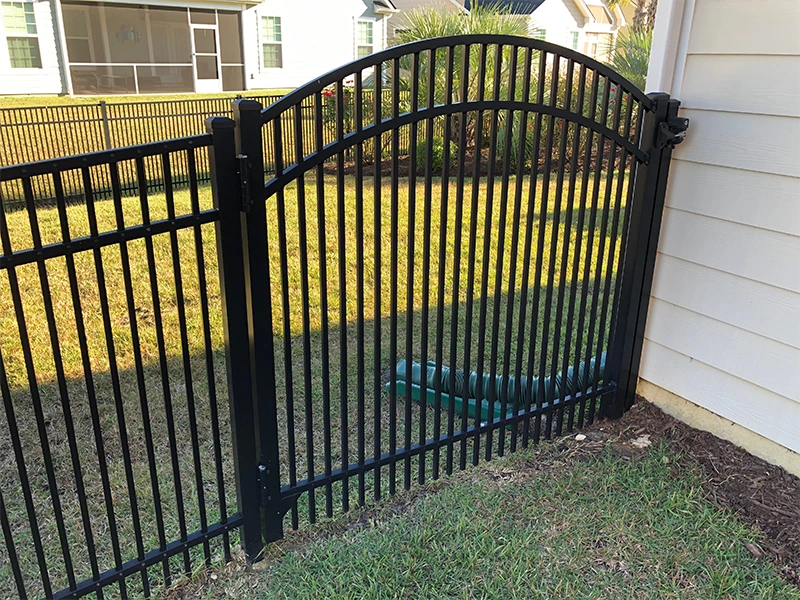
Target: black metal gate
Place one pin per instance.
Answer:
(385, 318)
(486, 290)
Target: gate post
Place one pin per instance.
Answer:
(250, 158)
(661, 131)
(233, 287)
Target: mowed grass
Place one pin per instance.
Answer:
(533, 525)
(200, 392)
(29, 101)
(49, 127)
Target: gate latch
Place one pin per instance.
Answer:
(671, 132)
(244, 182)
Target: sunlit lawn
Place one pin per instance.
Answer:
(501, 282)
(543, 525)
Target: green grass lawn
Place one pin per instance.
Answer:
(290, 346)
(549, 524)
(28, 101)
(59, 126)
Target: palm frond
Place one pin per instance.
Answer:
(630, 56)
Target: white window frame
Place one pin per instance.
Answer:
(573, 39)
(85, 12)
(5, 35)
(264, 42)
(358, 44)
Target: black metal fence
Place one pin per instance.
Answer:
(368, 323)
(51, 132)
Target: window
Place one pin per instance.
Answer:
(539, 34)
(76, 30)
(19, 24)
(572, 40)
(364, 41)
(271, 43)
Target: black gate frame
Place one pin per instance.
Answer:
(241, 195)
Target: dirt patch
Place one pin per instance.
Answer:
(404, 166)
(761, 494)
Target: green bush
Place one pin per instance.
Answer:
(437, 155)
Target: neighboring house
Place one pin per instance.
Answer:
(722, 348)
(297, 40)
(89, 47)
(588, 26)
(399, 23)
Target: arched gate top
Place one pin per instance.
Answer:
(317, 85)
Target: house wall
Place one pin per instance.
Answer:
(46, 80)
(723, 330)
(559, 18)
(398, 21)
(318, 35)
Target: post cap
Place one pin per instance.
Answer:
(246, 104)
(217, 123)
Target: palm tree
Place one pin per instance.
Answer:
(644, 16)
(483, 18)
(630, 55)
(489, 17)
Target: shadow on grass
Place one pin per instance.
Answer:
(333, 421)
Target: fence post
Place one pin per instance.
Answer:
(661, 130)
(106, 128)
(250, 155)
(231, 250)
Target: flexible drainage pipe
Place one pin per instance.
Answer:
(467, 387)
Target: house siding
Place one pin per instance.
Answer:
(318, 35)
(48, 79)
(558, 20)
(404, 6)
(723, 330)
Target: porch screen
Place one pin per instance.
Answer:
(129, 49)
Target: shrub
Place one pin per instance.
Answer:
(437, 155)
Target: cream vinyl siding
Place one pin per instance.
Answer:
(724, 324)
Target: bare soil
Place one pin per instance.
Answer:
(404, 166)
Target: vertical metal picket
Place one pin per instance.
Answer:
(661, 130)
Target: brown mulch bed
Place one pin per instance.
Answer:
(759, 493)
(404, 164)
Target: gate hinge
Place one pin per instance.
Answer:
(671, 132)
(263, 473)
(244, 182)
